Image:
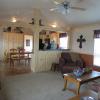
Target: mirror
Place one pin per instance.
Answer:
(52, 40)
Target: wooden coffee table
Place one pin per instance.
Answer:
(86, 93)
(79, 81)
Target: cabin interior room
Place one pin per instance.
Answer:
(49, 50)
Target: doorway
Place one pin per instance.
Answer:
(28, 43)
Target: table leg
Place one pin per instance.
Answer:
(65, 85)
(13, 63)
(10, 62)
(29, 62)
(25, 62)
(78, 88)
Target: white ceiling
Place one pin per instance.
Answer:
(23, 10)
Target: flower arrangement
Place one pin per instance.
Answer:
(78, 72)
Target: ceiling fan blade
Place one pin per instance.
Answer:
(53, 9)
(78, 8)
(56, 3)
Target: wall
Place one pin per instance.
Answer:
(88, 33)
(1, 43)
(45, 60)
(12, 40)
(88, 59)
(88, 47)
(41, 60)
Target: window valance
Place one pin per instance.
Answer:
(62, 35)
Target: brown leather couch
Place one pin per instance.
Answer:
(69, 61)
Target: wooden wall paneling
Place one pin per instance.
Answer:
(1, 45)
(45, 60)
(20, 40)
(41, 62)
(49, 59)
(5, 41)
(12, 40)
(88, 59)
(15, 42)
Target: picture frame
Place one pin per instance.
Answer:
(27, 42)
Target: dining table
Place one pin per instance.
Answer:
(18, 56)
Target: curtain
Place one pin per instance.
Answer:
(96, 33)
(62, 35)
(96, 60)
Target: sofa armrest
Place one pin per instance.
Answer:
(61, 62)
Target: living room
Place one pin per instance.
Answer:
(32, 17)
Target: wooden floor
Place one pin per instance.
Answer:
(6, 69)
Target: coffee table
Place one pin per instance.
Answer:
(85, 93)
(81, 80)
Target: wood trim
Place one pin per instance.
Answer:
(88, 59)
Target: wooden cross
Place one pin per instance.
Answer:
(81, 40)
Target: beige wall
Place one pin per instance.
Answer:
(88, 33)
(1, 43)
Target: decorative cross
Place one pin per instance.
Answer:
(81, 40)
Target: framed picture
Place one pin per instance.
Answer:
(27, 42)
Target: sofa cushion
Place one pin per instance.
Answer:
(67, 57)
(69, 69)
(75, 57)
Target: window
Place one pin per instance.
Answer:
(63, 39)
(97, 52)
(64, 42)
(96, 60)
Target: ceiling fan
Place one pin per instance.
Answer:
(65, 7)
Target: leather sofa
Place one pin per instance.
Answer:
(69, 61)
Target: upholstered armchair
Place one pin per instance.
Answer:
(69, 61)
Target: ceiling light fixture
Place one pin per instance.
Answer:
(53, 26)
(13, 19)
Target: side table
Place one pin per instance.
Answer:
(55, 67)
